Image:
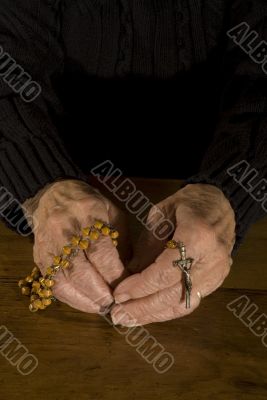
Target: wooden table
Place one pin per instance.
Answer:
(82, 356)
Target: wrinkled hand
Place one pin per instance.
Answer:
(205, 222)
(64, 208)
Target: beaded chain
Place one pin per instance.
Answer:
(39, 288)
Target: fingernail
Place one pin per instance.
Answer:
(121, 298)
(117, 318)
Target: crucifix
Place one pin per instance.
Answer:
(185, 265)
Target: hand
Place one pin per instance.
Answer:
(62, 210)
(205, 223)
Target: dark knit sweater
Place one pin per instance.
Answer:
(151, 84)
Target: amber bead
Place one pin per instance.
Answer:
(32, 308)
(98, 224)
(115, 242)
(85, 231)
(36, 285)
(171, 244)
(49, 283)
(29, 279)
(49, 271)
(56, 260)
(37, 303)
(34, 297)
(26, 291)
(75, 240)
(21, 283)
(105, 230)
(114, 235)
(65, 264)
(66, 250)
(47, 293)
(46, 302)
(40, 292)
(84, 244)
(94, 235)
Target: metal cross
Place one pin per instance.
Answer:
(185, 265)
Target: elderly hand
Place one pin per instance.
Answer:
(205, 223)
(63, 209)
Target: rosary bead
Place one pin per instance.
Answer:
(105, 230)
(49, 283)
(66, 250)
(39, 292)
(84, 244)
(36, 285)
(171, 244)
(98, 224)
(94, 235)
(75, 240)
(46, 302)
(65, 264)
(85, 231)
(21, 283)
(114, 235)
(49, 271)
(56, 260)
(37, 303)
(32, 308)
(26, 291)
(47, 293)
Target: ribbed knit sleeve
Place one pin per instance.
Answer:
(241, 134)
(31, 152)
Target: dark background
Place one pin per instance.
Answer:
(146, 127)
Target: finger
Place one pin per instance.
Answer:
(104, 256)
(65, 292)
(158, 276)
(88, 281)
(161, 306)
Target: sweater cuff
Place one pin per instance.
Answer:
(27, 167)
(247, 210)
